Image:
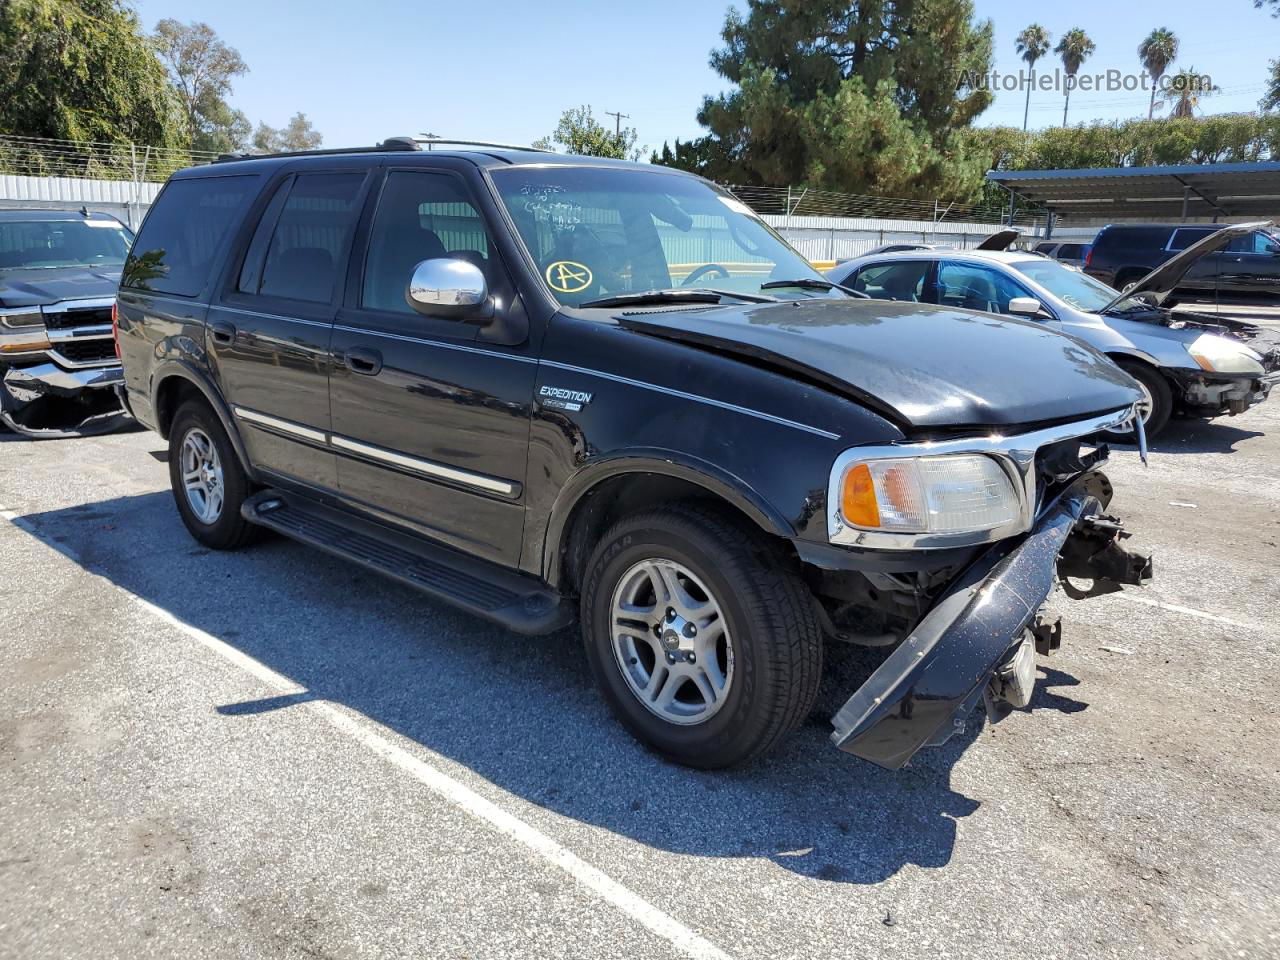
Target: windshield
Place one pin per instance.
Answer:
(595, 233)
(1072, 287)
(46, 244)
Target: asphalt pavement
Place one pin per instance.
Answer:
(272, 753)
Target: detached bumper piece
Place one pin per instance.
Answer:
(981, 637)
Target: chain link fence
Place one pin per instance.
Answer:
(39, 157)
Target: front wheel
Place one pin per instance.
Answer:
(702, 638)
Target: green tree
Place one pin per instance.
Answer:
(1271, 99)
(297, 134)
(1032, 44)
(1074, 48)
(202, 68)
(1156, 52)
(1184, 91)
(855, 95)
(83, 70)
(579, 132)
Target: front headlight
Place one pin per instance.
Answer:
(947, 495)
(1219, 355)
(17, 318)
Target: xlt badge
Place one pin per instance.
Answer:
(560, 398)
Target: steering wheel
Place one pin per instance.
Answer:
(703, 270)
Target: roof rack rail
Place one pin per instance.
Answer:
(430, 139)
(391, 143)
(394, 143)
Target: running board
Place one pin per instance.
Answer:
(512, 600)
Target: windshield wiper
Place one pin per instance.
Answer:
(814, 283)
(676, 295)
(654, 296)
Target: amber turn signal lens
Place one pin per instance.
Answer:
(858, 498)
(24, 346)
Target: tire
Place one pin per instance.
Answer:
(1161, 400)
(769, 656)
(223, 528)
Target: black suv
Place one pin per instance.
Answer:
(549, 388)
(1246, 271)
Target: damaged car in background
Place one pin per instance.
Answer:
(1189, 363)
(563, 389)
(59, 373)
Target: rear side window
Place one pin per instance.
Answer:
(894, 281)
(184, 234)
(308, 238)
(1070, 251)
(1182, 239)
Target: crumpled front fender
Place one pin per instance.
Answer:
(924, 690)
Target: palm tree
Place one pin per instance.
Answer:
(1074, 48)
(1184, 90)
(1156, 53)
(1033, 43)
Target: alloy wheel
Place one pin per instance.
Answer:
(671, 641)
(202, 476)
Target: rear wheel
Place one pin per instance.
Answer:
(1156, 405)
(702, 638)
(209, 484)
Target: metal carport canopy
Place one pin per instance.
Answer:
(1210, 190)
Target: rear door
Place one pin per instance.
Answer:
(430, 415)
(270, 328)
(1201, 281)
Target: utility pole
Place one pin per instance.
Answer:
(618, 118)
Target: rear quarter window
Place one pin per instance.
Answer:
(184, 234)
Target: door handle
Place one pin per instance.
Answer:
(362, 361)
(222, 333)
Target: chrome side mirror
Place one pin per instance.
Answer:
(1027, 307)
(445, 287)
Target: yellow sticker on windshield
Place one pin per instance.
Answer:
(566, 276)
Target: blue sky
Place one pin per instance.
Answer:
(505, 70)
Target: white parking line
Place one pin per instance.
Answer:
(369, 735)
(1188, 611)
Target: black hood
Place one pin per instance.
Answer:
(28, 288)
(926, 367)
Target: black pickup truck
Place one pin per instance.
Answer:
(549, 389)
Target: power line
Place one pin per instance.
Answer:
(618, 118)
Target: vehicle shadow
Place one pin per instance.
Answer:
(522, 713)
(1197, 436)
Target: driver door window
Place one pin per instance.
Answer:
(421, 216)
(1257, 243)
(976, 288)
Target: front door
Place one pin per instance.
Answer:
(430, 420)
(1249, 270)
(269, 332)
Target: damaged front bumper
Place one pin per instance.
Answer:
(49, 400)
(1215, 395)
(977, 639)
